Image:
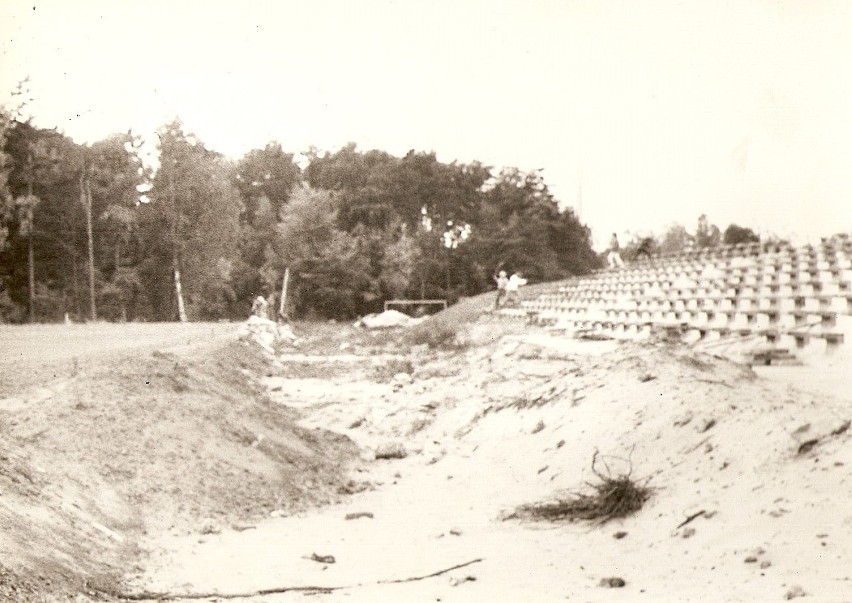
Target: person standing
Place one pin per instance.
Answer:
(502, 280)
(614, 255)
(516, 281)
(260, 307)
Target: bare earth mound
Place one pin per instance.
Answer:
(175, 452)
(181, 441)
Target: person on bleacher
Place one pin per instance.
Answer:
(614, 255)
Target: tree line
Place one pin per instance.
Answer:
(676, 238)
(93, 232)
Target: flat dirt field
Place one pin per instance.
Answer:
(166, 462)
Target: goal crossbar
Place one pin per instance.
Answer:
(416, 302)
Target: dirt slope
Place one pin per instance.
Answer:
(750, 479)
(749, 475)
(181, 440)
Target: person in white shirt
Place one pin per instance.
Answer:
(260, 307)
(515, 282)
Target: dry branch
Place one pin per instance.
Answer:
(690, 518)
(148, 596)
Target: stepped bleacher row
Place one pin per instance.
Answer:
(780, 295)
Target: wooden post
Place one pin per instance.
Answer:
(283, 302)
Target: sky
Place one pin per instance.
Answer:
(639, 114)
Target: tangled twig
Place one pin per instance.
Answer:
(610, 498)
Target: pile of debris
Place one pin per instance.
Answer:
(267, 333)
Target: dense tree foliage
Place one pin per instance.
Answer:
(94, 231)
(190, 229)
(738, 234)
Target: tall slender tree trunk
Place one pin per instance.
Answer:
(86, 198)
(283, 305)
(75, 287)
(176, 257)
(30, 253)
(179, 294)
(30, 267)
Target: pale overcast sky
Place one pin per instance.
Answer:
(657, 110)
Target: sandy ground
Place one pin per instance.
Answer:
(759, 462)
(37, 354)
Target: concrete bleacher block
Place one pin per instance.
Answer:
(716, 293)
(786, 341)
(746, 304)
(811, 304)
(784, 291)
(720, 320)
(786, 320)
(825, 277)
(708, 304)
(692, 336)
(739, 320)
(643, 333)
(700, 320)
(618, 330)
(830, 288)
(767, 302)
(712, 335)
(805, 318)
(763, 320)
(839, 304)
(805, 289)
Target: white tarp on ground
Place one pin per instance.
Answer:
(266, 332)
(386, 320)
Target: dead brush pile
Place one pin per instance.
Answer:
(612, 497)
